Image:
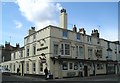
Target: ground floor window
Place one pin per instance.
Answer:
(110, 68)
(65, 66)
(41, 67)
(70, 65)
(99, 66)
(75, 66)
(27, 66)
(34, 66)
(14, 67)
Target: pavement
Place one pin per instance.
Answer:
(91, 79)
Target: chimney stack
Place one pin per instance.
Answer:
(81, 30)
(74, 28)
(63, 19)
(17, 45)
(31, 31)
(95, 33)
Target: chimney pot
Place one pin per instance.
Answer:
(74, 28)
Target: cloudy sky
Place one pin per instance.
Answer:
(20, 15)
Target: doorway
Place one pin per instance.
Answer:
(22, 69)
(85, 71)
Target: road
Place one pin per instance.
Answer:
(92, 79)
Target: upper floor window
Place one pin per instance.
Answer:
(56, 49)
(79, 51)
(14, 55)
(89, 39)
(27, 51)
(65, 49)
(34, 49)
(21, 53)
(34, 36)
(28, 39)
(90, 52)
(78, 36)
(65, 33)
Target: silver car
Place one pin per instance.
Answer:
(4, 71)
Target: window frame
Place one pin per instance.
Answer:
(28, 52)
(65, 33)
(70, 65)
(75, 65)
(65, 51)
(40, 66)
(27, 67)
(78, 36)
(34, 66)
(55, 50)
(65, 66)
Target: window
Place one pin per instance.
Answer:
(76, 66)
(110, 55)
(62, 49)
(34, 49)
(34, 36)
(14, 67)
(14, 55)
(27, 51)
(21, 53)
(65, 66)
(78, 36)
(70, 66)
(65, 49)
(34, 66)
(10, 66)
(89, 39)
(99, 66)
(41, 67)
(27, 66)
(79, 51)
(65, 33)
(89, 52)
(28, 39)
(56, 49)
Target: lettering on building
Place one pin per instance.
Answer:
(43, 48)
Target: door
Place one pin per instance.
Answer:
(22, 69)
(85, 71)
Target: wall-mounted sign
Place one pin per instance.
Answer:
(43, 48)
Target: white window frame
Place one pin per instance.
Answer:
(90, 52)
(55, 50)
(27, 67)
(78, 34)
(63, 34)
(34, 67)
(27, 52)
(78, 52)
(65, 50)
(65, 66)
(40, 67)
(34, 49)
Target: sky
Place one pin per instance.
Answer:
(18, 16)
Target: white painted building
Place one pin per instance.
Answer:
(66, 53)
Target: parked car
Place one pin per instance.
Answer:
(4, 71)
